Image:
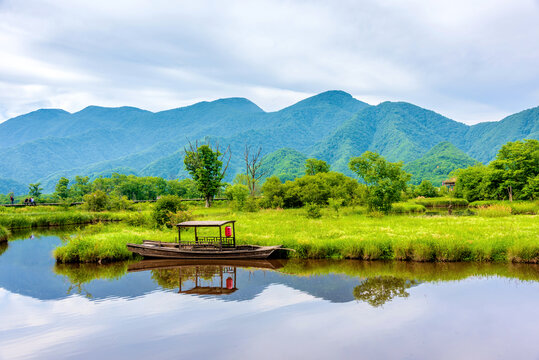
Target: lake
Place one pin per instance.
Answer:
(263, 310)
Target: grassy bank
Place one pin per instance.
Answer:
(4, 233)
(28, 219)
(346, 235)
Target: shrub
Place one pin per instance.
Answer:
(335, 204)
(406, 208)
(179, 217)
(165, 207)
(313, 211)
(251, 205)
(119, 203)
(238, 193)
(96, 201)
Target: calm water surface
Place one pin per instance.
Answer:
(263, 310)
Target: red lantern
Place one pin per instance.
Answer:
(229, 283)
(228, 231)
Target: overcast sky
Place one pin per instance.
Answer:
(469, 60)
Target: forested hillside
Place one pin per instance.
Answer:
(46, 144)
(437, 163)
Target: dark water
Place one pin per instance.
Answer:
(263, 310)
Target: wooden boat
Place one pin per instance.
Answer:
(204, 247)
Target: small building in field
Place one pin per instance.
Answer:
(450, 183)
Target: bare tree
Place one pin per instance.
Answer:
(253, 162)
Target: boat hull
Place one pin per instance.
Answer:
(151, 249)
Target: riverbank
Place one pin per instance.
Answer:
(35, 219)
(349, 234)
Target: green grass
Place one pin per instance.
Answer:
(407, 208)
(44, 218)
(440, 202)
(347, 235)
(4, 233)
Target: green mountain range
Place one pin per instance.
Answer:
(46, 144)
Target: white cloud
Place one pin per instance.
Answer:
(467, 60)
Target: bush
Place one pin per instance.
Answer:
(119, 203)
(96, 201)
(335, 204)
(251, 205)
(179, 217)
(406, 208)
(238, 194)
(165, 207)
(313, 211)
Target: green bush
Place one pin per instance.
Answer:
(119, 203)
(313, 211)
(251, 205)
(96, 201)
(406, 208)
(238, 194)
(165, 207)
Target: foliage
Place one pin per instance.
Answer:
(512, 175)
(251, 204)
(335, 204)
(312, 211)
(441, 202)
(316, 189)
(179, 217)
(238, 193)
(426, 189)
(96, 201)
(35, 190)
(165, 208)
(385, 181)
(204, 165)
(62, 189)
(315, 166)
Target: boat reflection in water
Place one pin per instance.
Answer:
(201, 277)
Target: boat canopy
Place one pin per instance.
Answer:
(205, 223)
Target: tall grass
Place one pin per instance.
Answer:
(4, 233)
(440, 202)
(517, 207)
(21, 220)
(98, 243)
(496, 210)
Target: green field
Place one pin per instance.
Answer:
(348, 234)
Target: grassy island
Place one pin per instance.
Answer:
(348, 234)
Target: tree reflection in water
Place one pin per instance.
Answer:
(3, 246)
(378, 290)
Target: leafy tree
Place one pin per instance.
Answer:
(515, 163)
(205, 167)
(315, 166)
(62, 188)
(426, 189)
(81, 186)
(35, 190)
(385, 180)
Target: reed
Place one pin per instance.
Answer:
(26, 219)
(4, 233)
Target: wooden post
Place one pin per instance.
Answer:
(196, 237)
(220, 239)
(234, 233)
(179, 237)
